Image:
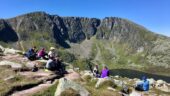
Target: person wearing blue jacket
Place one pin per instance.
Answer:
(144, 85)
(31, 54)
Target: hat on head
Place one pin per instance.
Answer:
(52, 48)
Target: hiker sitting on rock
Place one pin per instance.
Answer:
(143, 85)
(51, 64)
(105, 72)
(31, 54)
(96, 71)
(52, 53)
(55, 65)
(42, 54)
(61, 66)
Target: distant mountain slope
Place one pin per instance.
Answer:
(112, 34)
(77, 29)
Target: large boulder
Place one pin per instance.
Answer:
(65, 84)
(12, 64)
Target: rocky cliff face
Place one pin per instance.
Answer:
(74, 29)
(41, 27)
(125, 31)
(7, 34)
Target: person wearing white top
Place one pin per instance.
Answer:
(52, 53)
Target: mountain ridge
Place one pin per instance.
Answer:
(132, 42)
(78, 32)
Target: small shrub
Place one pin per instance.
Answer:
(83, 64)
(87, 78)
(108, 83)
(66, 56)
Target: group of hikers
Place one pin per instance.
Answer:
(103, 74)
(53, 61)
(143, 85)
(54, 64)
(34, 54)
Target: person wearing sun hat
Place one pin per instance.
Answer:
(51, 53)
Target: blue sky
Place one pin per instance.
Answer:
(152, 14)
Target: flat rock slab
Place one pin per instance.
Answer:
(12, 64)
(36, 73)
(40, 75)
(15, 57)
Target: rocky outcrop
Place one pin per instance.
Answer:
(65, 84)
(80, 28)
